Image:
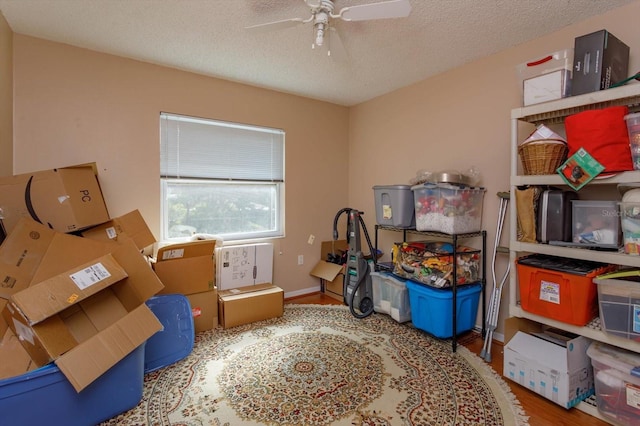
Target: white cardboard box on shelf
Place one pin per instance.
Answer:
(562, 374)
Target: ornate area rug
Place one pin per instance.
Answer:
(318, 365)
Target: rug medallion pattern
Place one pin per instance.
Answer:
(318, 365)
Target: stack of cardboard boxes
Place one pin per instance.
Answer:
(76, 301)
(74, 282)
(189, 269)
(245, 291)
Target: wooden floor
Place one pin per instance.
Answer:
(541, 412)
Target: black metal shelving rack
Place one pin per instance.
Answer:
(454, 238)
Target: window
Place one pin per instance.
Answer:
(220, 178)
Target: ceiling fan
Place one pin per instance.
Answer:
(322, 18)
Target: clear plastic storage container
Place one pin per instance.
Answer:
(447, 208)
(617, 380)
(390, 296)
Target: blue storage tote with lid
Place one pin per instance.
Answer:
(46, 397)
(432, 308)
(175, 341)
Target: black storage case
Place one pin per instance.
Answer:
(553, 222)
(599, 60)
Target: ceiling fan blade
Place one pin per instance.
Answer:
(336, 48)
(382, 10)
(277, 25)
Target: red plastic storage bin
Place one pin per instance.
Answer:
(559, 288)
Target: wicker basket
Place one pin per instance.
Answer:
(542, 156)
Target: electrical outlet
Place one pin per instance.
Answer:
(311, 239)
(300, 259)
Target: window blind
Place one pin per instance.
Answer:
(193, 148)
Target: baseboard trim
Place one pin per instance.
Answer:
(499, 337)
(302, 292)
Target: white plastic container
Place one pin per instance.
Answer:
(546, 78)
(390, 296)
(617, 381)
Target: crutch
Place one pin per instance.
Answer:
(496, 294)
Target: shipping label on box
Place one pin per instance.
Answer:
(560, 373)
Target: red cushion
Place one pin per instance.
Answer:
(603, 134)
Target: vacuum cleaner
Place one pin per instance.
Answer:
(356, 288)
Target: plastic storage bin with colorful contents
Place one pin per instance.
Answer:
(448, 208)
(559, 288)
(619, 302)
(617, 379)
(390, 296)
(432, 308)
(431, 263)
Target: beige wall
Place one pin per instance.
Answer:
(74, 106)
(457, 120)
(6, 98)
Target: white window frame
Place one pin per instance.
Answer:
(189, 158)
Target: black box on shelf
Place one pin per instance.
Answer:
(600, 60)
(553, 222)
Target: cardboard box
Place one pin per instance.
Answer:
(244, 265)
(204, 307)
(331, 274)
(249, 304)
(101, 327)
(33, 312)
(600, 60)
(66, 199)
(562, 374)
(15, 359)
(186, 268)
(131, 225)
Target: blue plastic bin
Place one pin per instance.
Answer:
(45, 397)
(175, 341)
(432, 308)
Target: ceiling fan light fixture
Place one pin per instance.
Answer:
(322, 12)
(319, 34)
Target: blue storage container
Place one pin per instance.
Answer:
(175, 341)
(432, 308)
(45, 397)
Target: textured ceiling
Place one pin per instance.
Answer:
(209, 37)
